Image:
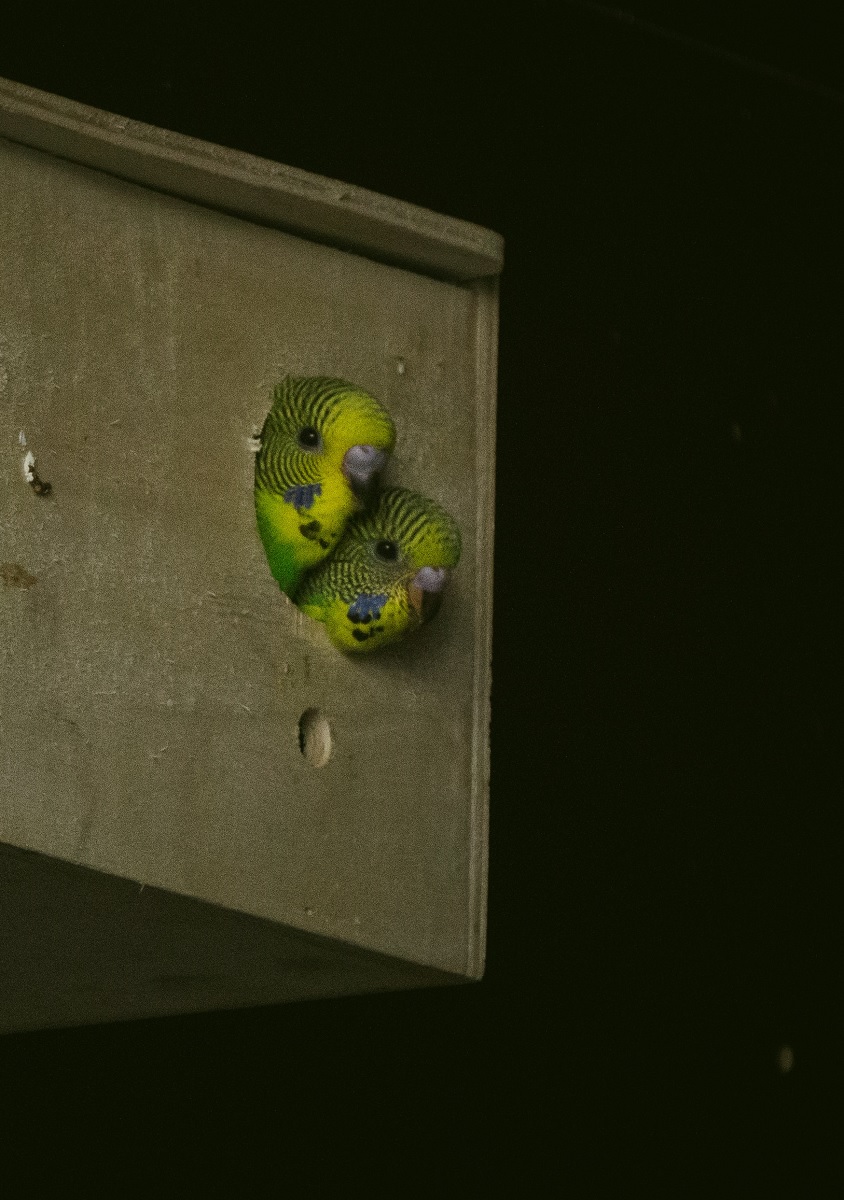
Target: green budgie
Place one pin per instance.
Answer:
(322, 443)
(387, 574)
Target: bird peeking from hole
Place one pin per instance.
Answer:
(321, 448)
(387, 574)
(370, 566)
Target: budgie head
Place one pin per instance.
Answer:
(318, 426)
(407, 541)
(387, 574)
(322, 444)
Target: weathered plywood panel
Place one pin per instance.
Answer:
(80, 947)
(324, 210)
(152, 674)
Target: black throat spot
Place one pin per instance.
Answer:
(311, 530)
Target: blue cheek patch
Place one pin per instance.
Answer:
(303, 495)
(365, 609)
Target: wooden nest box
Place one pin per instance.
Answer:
(203, 804)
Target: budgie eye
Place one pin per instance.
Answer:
(308, 438)
(387, 551)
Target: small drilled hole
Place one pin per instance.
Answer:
(315, 737)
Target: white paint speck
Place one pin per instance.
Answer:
(400, 367)
(22, 438)
(29, 466)
(254, 443)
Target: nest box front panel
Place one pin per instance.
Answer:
(157, 689)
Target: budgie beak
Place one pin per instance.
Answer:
(360, 463)
(425, 591)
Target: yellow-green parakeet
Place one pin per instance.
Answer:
(321, 444)
(387, 574)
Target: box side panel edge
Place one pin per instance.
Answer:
(257, 189)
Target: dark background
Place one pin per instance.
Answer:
(667, 729)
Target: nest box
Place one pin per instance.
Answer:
(203, 804)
